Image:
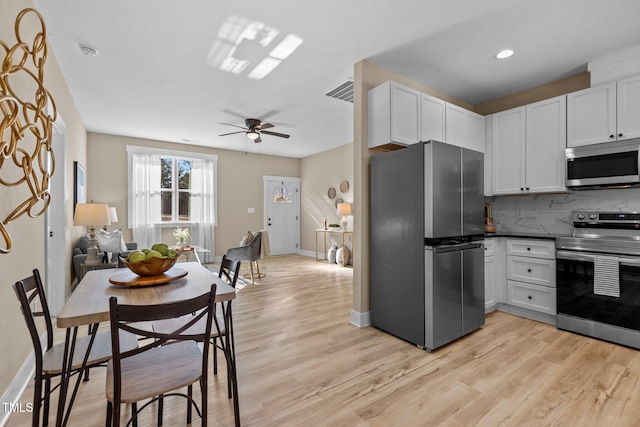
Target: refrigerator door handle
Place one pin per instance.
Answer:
(454, 248)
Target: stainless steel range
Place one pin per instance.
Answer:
(598, 277)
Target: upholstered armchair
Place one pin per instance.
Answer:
(251, 251)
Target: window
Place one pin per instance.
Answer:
(169, 188)
(175, 189)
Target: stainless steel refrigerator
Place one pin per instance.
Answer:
(427, 229)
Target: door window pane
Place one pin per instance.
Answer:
(282, 195)
(166, 173)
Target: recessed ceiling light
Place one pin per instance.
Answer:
(503, 54)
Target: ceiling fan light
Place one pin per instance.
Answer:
(504, 54)
(252, 134)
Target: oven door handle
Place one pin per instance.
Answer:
(589, 257)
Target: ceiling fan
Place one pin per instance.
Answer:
(254, 128)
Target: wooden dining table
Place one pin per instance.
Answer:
(89, 305)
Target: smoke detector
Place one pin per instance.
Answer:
(88, 51)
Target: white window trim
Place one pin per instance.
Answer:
(168, 153)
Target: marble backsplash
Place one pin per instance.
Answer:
(550, 213)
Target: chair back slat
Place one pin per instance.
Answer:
(229, 270)
(30, 293)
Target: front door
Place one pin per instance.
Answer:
(282, 214)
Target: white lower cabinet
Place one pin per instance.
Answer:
(533, 297)
(489, 274)
(531, 274)
(495, 284)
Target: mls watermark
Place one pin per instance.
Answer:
(17, 407)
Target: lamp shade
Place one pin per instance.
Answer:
(344, 208)
(113, 215)
(91, 214)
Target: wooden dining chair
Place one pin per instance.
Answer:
(49, 359)
(163, 364)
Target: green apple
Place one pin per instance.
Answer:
(172, 253)
(153, 254)
(145, 250)
(136, 256)
(163, 248)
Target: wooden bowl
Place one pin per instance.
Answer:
(150, 267)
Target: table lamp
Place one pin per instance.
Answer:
(344, 209)
(90, 214)
(113, 216)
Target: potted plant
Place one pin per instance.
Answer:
(181, 234)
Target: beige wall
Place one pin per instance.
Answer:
(28, 233)
(319, 173)
(240, 183)
(538, 93)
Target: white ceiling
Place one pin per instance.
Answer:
(151, 77)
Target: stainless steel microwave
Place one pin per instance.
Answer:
(606, 165)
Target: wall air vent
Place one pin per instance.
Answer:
(343, 92)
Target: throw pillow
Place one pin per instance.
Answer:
(342, 256)
(246, 239)
(110, 241)
(83, 243)
(331, 254)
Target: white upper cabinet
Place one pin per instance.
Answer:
(401, 115)
(508, 136)
(546, 138)
(455, 125)
(464, 128)
(591, 115)
(604, 113)
(474, 131)
(432, 118)
(394, 115)
(528, 148)
(628, 91)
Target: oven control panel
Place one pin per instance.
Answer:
(605, 217)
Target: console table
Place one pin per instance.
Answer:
(324, 239)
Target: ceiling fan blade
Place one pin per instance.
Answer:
(235, 126)
(258, 139)
(264, 126)
(281, 135)
(232, 133)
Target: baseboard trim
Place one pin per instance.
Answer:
(17, 388)
(360, 320)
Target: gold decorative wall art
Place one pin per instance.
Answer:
(27, 112)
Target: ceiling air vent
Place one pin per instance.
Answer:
(343, 92)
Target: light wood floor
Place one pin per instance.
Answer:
(301, 363)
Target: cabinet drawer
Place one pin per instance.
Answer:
(533, 248)
(537, 271)
(488, 247)
(533, 297)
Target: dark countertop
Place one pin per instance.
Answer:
(525, 235)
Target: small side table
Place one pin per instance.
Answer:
(324, 239)
(188, 250)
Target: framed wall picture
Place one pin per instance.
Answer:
(79, 191)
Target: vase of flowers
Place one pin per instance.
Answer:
(181, 234)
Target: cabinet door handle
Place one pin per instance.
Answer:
(611, 136)
(528, 270)
(619, 135)
(529, 297)
(528, 249)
